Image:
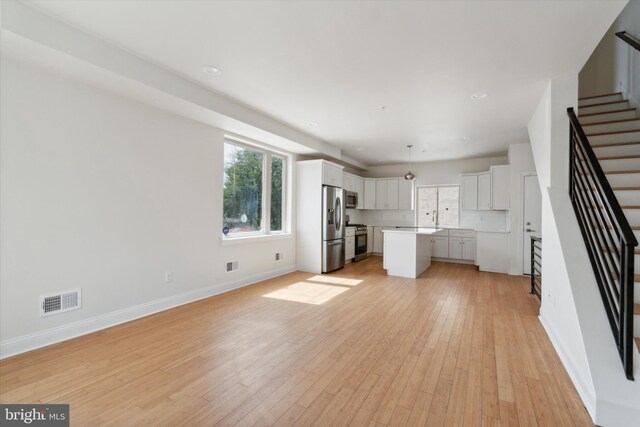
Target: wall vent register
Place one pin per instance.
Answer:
(232, 266)
(60, 302)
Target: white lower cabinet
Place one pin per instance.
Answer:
(493, 252)
(377, 240)
(440, 248)
(349, 248)
(369, 240)
(349, 243)
(462, 244)
(455, 247)
(468, 249)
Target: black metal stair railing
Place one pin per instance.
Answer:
(536, 266)
(609, 239)
(628, 38)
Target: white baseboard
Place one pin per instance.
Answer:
(515, 272)
(453, 260)
(588, 399)
(14, 346)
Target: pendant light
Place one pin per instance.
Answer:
(409, 176)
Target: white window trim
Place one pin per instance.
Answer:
(254, 238)
(265, 223)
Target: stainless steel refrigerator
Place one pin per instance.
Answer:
(332, 229)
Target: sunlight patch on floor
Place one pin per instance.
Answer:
(335, 280)
(309, 293)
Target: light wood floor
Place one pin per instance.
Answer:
(453, 347)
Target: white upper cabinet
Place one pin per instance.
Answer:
(355, 184)
(381, 194)
(359, 185)
(487, 190)
(387, 194)
(369, 194)
(392, 194)
(484, 191)
(331, 174)
(346, 181)
(405, 194)
(469, 199)
(500, 180)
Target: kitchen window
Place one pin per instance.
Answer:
(255, 191)
(438, 206)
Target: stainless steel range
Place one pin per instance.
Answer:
(361, 241)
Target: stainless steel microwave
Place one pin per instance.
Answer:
(351, 199)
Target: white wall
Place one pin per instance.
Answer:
(614, 65)
(105, 194)
(438, 173)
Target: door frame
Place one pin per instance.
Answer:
(523, 226)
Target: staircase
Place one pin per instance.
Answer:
(612, 128)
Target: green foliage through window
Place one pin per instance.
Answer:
(246, 172)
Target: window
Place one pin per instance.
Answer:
(254, 190)
(438, 206)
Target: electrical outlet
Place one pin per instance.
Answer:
(168, 277)
(279, 256)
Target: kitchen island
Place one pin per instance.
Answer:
(407, 251)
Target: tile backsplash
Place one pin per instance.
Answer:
(477, 220)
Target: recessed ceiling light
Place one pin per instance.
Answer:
(466, 138)
(359, 149)
(313, 124)
(479, 95)
(211, 70)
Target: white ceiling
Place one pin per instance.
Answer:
(337, 63)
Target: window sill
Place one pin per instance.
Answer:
(239, 240)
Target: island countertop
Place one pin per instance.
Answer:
(416, 230)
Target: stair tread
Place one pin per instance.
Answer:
(603, 103)
(636, 277)
(623, 207)
(625, 188)
(635, 119)
(635, 250)
(637, 342)
(620, 157)
(636, 309)
(614, 144)
(624, 110)
(610, 227)
(615, 132)
(630, 171)
(599, 96)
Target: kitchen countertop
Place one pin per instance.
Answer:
(446, 228)
(413, 230)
